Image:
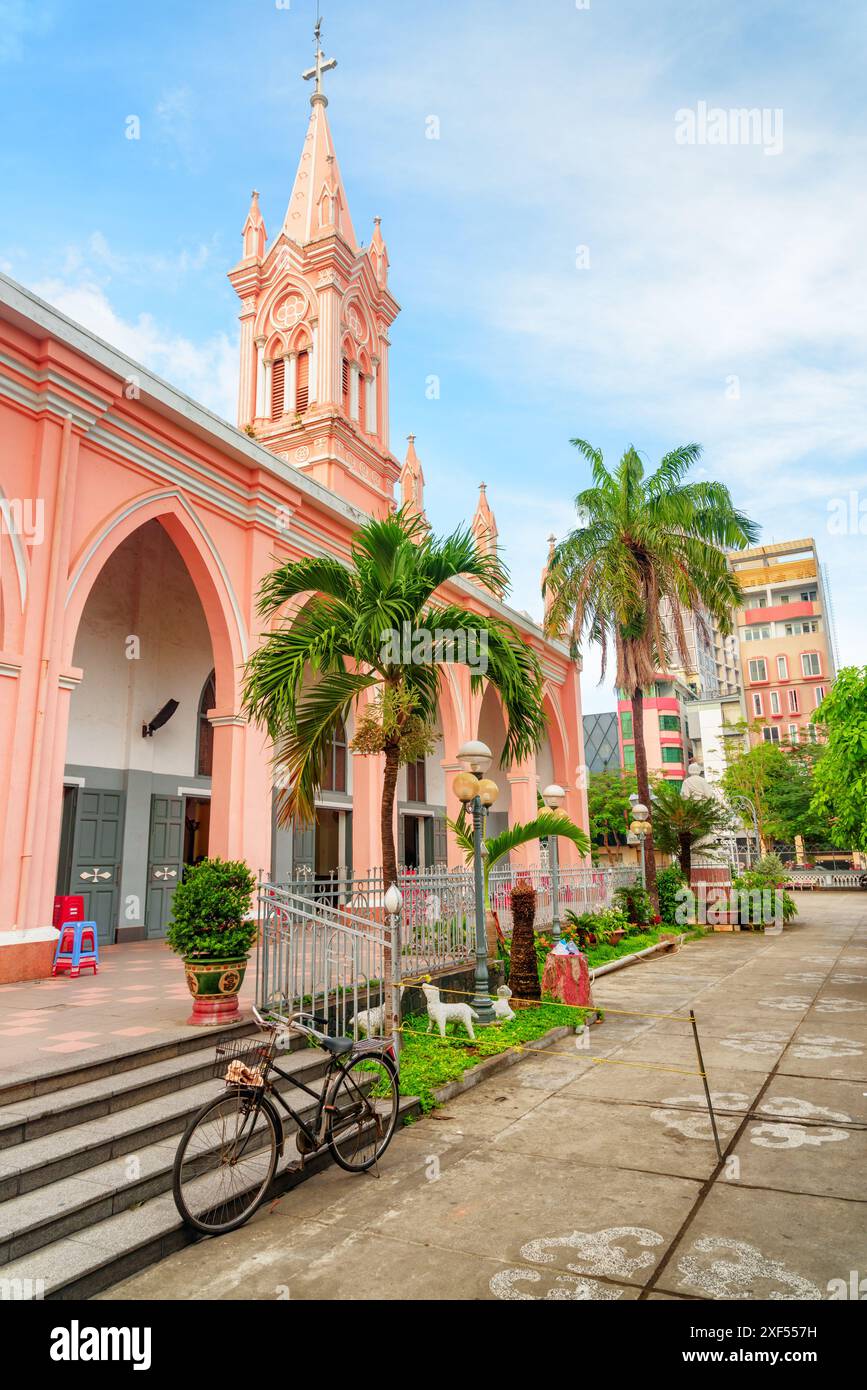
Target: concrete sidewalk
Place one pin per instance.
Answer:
(592, 1174)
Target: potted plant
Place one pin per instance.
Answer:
(212, 931)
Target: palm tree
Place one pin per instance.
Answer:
(496, 847)
(646, 548)
(680, 823)
(371, 635)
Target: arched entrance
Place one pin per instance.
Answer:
(149, 632)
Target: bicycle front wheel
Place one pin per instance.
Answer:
(365, 1103)
(225, 1162)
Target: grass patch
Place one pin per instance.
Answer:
(636, 941)
(428, 1061)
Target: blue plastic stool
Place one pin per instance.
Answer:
(77, 948)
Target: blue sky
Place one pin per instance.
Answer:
(724, 300)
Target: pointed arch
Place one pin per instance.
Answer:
(557, 737)
(185, 528)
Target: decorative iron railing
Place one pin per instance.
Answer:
(326, 960)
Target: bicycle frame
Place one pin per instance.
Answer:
(315, 1134)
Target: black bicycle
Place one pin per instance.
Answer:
(228, 1154)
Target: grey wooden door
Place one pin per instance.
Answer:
(303, 850)
(165, 861)
(96, 857)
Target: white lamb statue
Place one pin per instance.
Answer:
(502, 1008)
(441, 1014)
(372, 1021)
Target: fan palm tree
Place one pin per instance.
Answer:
(372, 635)
(647, 551)
(680, 823)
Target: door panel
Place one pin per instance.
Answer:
(165, 861)
(96, 857)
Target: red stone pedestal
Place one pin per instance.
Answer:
(207, 1013)
(567, 979)
(712, 884)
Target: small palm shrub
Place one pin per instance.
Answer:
(635, 901)
(211, 911)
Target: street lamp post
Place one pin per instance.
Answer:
(553, 797)
(479, 793)
(640, 826)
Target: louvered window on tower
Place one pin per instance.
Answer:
(278, 388)
(345, 386)
(303, 385)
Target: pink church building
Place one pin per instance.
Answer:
(135, 528)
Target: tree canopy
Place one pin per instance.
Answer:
(840, 784)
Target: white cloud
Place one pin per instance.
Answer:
(207, 370)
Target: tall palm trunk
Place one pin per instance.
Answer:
(386, 824)
(685, 854)
(644, 792)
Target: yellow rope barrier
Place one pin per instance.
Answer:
(546, 1003)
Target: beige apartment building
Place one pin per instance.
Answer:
(785, 638)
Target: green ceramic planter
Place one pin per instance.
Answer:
(215, 985)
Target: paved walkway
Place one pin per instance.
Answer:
(138, 997)
(574, 1175)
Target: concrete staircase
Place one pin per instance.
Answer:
(86, 1160)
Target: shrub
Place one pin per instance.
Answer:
(634, 899)
(751, 888)
(211, 911)
(670, 882)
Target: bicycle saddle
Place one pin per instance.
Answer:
(338, 1046)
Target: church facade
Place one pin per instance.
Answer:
(135, 528)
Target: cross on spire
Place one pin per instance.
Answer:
(321, 64)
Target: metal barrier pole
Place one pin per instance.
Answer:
(704, 1082)
(393, 905)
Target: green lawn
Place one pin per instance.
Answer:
(428, 1061)
(638, 941)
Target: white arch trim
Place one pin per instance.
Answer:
(559, 718)
(169, 493)
(17, 554)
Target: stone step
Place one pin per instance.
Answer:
(90, 1259)
(33, 1082)
(38, 1116)
(35, 1163)
(72, 1205)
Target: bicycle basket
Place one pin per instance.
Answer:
(244, 1061)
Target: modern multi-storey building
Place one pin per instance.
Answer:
(666, 735)
(784, 631)
(601, 742)
(712, 667)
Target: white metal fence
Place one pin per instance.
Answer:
(325, 944)
(329, 961)
(825, 878)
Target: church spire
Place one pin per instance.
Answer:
(318, 206)
(412, 481)
(253, 231)
(484, 526)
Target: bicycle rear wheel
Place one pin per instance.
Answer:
(365, 1100)
(225, 1162)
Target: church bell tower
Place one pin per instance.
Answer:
(315, 316)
